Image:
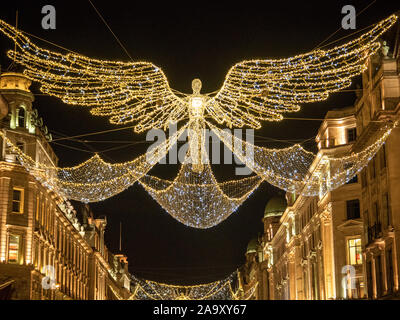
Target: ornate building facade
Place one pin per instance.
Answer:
(45, 251)
(345, 243)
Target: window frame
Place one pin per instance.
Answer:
(21, 200)
(348, 202)
(20, 117)
(18, 250)
(353, 132)
(348, 250)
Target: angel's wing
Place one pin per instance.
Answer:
(257, 90)
(132, 92)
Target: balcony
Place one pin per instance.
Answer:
(326, 143)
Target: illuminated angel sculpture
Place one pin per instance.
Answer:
(138, 93)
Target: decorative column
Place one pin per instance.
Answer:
(5, 186)
(292, 275)
(31, 223)
(328, 253)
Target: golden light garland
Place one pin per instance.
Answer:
(196, 198)
(253, 90)
(217, 290)
(264, 89)
(289, 168)
(139, 92)
(93, 180)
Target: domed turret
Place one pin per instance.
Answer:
(274, 209)
(276, 206)
(14, 88)
(14, 81)
(252, 246)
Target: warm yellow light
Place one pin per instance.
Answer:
(139, 92)
(197, 106)
(253, 90)
(218, 290)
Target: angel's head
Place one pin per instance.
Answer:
(196, 86)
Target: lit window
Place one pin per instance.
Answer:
(18, 200)
(37, 208)
(13, 248)
(271, 233)
(355, 251)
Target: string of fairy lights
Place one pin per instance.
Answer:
(127, 92)
(283, 84)
(94, 179)
(219, 290)
(139, 92)
(196, 198)
(254, 90)
(289, 168)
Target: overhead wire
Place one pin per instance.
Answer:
(129, 127)
(109, 28)
(332, 34)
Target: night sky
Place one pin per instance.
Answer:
(187, 40)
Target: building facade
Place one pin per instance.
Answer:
(45, 251)
(380, 181)
(342, 244)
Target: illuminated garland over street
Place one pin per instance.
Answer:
(289, 169)
(95, 179)
(196, 198)
(254, 90)
(218, 290)
(139, 92)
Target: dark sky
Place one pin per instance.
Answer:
(187, 40)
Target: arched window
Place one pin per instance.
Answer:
(271, 232)
(21, 117)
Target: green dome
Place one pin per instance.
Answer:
(252, 246)
(275, 207)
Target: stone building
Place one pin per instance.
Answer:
(380, 181)
(45, 251)
(345, 243)
(249, 273)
